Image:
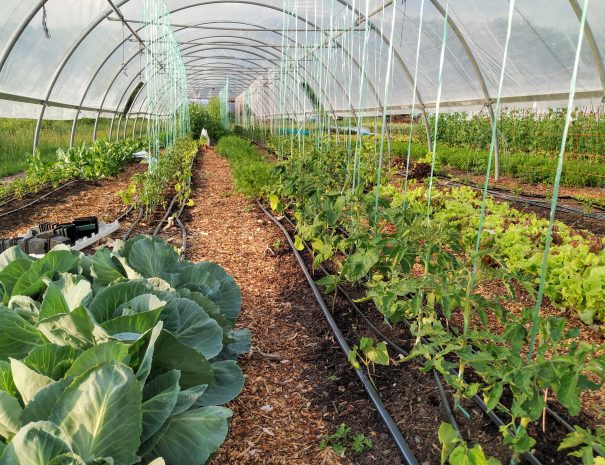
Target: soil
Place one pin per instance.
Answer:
(82, 198)
(412, 397)
(299, 385)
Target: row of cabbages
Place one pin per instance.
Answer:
(120, 357)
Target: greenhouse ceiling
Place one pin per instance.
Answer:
(64, 59)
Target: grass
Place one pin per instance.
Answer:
(17, 135)
(252, 173)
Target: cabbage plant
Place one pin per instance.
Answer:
(119, 357)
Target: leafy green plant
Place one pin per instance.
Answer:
(99, 160)
(586, 444)
(417, 265)
(117, 356)
(344, 438)
(173, 170)
(457, 452)
(252, 173)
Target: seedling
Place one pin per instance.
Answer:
(369, 354)
(343, 439)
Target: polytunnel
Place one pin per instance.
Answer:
(302, 232)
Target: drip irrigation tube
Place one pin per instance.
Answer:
(13, 197)
(134, 224)
(396, 347)
(518, 198)
(528, 456)
(400, 442)
(38, 199)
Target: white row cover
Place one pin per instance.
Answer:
(65, 55)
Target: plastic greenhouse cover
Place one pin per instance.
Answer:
(71, 54)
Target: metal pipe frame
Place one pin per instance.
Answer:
(46, 102)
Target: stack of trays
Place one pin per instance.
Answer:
(48, 235)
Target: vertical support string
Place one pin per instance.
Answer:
(555, 191)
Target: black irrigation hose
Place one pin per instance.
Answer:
(15, 197)
(134, 224)
(38, 199)
(396, 347)
(525, 194)
(168, 211)
(530, 457)
(596, 447)
(536, 203)
(400, 442)
(125, 214)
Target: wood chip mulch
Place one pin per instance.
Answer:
(291, 398)
(83, 198)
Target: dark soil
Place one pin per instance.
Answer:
(413, 400)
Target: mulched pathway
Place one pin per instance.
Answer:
(298, 385)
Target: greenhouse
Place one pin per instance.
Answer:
(302, 232)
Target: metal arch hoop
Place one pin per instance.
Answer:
(109, 56)
(64, 62)
(121, 99)
(594, 48)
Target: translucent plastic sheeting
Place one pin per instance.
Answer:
(81, 53)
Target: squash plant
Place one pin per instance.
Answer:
(118, 357)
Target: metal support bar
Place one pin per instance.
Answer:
(594, 48)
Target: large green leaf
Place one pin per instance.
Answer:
(10, 415)
(17, 336)
(70, 458)
(196, 328)
(76, 329)
(229, 296)
(6, 378)
(10, 255)
(171, 353)
(31, 283)
(51, 360)
(239, 343)
(150, 256)
(104, 270)
(137, 323)
(66, 294)
(191, 437)
(144, 367)
(228, 383)
(28, 381)
(40, 406)
(187, 398)
(101, 414)
(11, 274)
(110, 351)
(110, 298)
(160, 396)
(191, 276)
(23, 304)
(36, 444)
(209, 307)
(139, 304)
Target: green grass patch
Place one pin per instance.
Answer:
(17, 135)
(252, 173)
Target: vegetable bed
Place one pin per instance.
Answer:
(122, 356)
